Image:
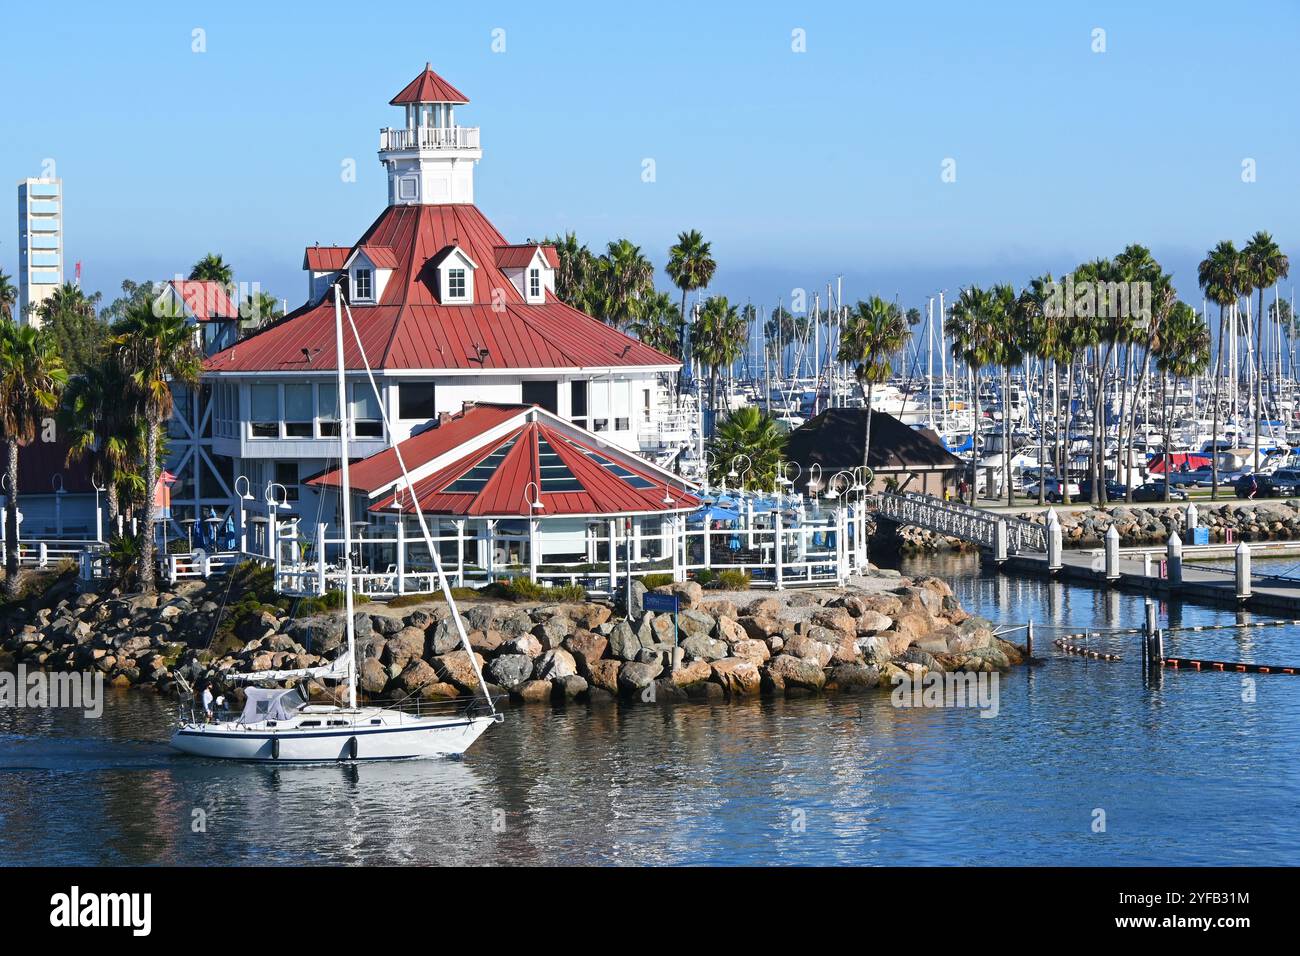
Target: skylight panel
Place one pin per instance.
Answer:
(555, 474)
(474, 480)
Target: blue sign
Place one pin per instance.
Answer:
(660, 602)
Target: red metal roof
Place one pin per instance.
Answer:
(409, 329)
(381, 470)
(517, 257)
(205, 299)
(428, 87)
(325, 258)
(507, 492)
(381, 256)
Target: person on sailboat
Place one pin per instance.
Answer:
(207, 702)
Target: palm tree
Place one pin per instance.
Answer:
(691, 267)
(970, 329)
(1043, 340)
(31, 377)
(78, 333)
(625, 276)
(1219, 275)
(212, 268)
(874, 331)
(576, 274)
(658, 323)
(1264, 265)
(8, 296)
(719, 342)
(156, 348)
(259, 310)
(747, 431)
(102, 430)
(1183, 351)
(1007, 352)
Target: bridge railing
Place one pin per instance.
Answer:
(957, 520)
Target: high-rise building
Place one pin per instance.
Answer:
(40, 244)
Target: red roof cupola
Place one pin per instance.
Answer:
(428, 87)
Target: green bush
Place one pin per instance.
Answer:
(526, 589)
(734, 580)
(705, 577)
(653, 581)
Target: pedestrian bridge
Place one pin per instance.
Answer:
(957, 520)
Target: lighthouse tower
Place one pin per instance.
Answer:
(430, 159)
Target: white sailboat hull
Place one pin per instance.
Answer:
(370, 736)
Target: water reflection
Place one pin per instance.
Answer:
(1176, 765)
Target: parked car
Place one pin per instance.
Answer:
(1193, 476)
(1255, 486)
(1155, 491)
(1053, 490)
(1114, 490)
(1287, 481)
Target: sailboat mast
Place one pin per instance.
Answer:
(345, 494)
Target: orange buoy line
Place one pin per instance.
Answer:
(1085, 651)
(1178, 663)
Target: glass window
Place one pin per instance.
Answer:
(474, 480)
(365, 289)
(578, 402)
(327, 396)
(455, 283)
(264, 408)
(622, 424)
(286, 473)
(298, 411)
(415, 400)
(555, 474)
(534, 283)
(366, 417)
(600, 425)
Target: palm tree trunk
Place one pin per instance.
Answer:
(1164, 401)
(1132, 428)
(975, 436)
(11, 518)
(1214, 430)
(114, 505)
(150, 507)
(681, 347)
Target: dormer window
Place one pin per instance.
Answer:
(365, 289)
(534, 283)
(455, 276)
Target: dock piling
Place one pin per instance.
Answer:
(1174, 558)
(1242, 565)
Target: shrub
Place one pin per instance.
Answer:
(704, 577)
(734, 580)
(656, 580)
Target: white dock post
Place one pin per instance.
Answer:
(613, 558)
(401, 555)
(1191, 516)
(1174, 556)
(675, 524)
(1243, 571)
(1112, 553)
(776, 537)
(1146, 564)
(44, 553)
(1053, 541)
(320, 559)
(1000, 540)
(460, 553)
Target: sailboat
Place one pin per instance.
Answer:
(281, 725)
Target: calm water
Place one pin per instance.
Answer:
(1186, 772)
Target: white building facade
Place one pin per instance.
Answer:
(447, 313)
(40, 244)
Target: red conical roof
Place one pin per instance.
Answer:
(428, 87)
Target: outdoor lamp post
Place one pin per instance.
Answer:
(99, 515)
(241, 497)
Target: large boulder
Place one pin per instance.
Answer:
(704, 648)
(551, 633)
(850, 677)
(786, 672)
(807, 648)
(403, 647)
(554, 664)
(586, 646)
(414, 676)
(729, 630)
(763, 607)
(623, 642)
(635, 676)
(372, 677)
(691, 672)
(533, 691)
(604, 675)
(525, 644)
(695, 623)
(872, 622)
(739, 677)
(689, 594)
(457, 668)
(755, 651)
(510, 670)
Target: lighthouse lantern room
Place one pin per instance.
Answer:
(431, 159)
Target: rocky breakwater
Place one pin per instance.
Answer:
(1254, 521)
(728, 644)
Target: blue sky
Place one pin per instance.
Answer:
(798, 166)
